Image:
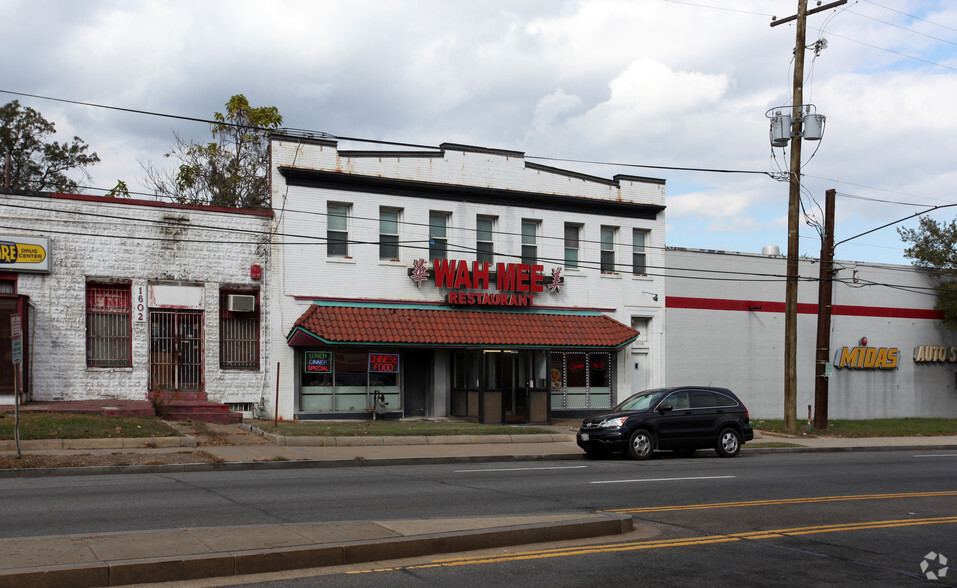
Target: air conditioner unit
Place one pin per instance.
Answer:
(241, 303)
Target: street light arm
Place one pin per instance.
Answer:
(895, 222)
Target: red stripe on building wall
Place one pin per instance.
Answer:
(778, 307)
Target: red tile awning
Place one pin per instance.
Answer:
(345, 325)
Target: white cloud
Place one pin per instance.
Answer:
(651, 82)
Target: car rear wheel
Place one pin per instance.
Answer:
(729, 443)
(641, 445)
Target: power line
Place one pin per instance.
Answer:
(666, 271)
(910, 15)
(898, 53)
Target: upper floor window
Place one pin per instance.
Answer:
(484, 247)
(438, 234)
(337, 235)
(389, 233)
(108, 331)
(530, 241)
(239, 329)
(572, 245)
(608, 237)
(638, 261)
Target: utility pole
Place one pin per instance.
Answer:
(824, 290)
(794, 200)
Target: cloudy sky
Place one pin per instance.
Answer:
(676, 84)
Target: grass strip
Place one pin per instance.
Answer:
(906, 427)
(68, 425)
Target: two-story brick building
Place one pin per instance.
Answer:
(460, 281)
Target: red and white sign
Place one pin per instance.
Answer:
(517, 283)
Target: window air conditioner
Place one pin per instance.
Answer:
(241, 303)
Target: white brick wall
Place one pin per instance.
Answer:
(106, 239)
(305, 271)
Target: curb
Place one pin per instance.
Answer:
(224, 564)
(381, 441)
(301, 464)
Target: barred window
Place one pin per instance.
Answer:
(238, 329)
(108, 328)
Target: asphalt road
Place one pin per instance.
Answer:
(863, 518)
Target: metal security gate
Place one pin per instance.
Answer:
(176, 354)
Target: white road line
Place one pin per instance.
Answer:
(938, 455)
(659, 480)
(523, 469)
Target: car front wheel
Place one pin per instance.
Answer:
(729, 443)
(641, 445)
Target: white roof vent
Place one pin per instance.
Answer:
(770, 250)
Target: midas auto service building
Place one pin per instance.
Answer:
(889, 354)
(460, 281)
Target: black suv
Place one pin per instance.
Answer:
(680, 419)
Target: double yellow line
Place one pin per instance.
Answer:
(780, 501)
(706, 540)
(687, 542)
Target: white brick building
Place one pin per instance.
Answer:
(129, 300)
(349, 319)
(725, 324)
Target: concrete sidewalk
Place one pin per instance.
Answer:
(116, 559)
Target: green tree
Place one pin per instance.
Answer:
(29, 162)
(232, 170)
(934, 247)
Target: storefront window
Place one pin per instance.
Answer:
(580, 380)
(346, 381)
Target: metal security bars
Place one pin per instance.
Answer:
(238, 334)
(176, 351)
(108, 325)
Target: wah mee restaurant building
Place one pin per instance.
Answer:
(460, 281)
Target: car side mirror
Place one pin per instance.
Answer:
(665, 408)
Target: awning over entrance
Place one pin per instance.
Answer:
(353, 325)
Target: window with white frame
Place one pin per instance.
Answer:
(389, 233)
(572, 245)
(438, 234)
(337, 234)
(639, 265)
(484, 243)
(108, 328)
(608, 238)
(530, 241)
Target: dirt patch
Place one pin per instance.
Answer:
(217, 434)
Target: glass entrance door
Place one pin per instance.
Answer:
(515, 378)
